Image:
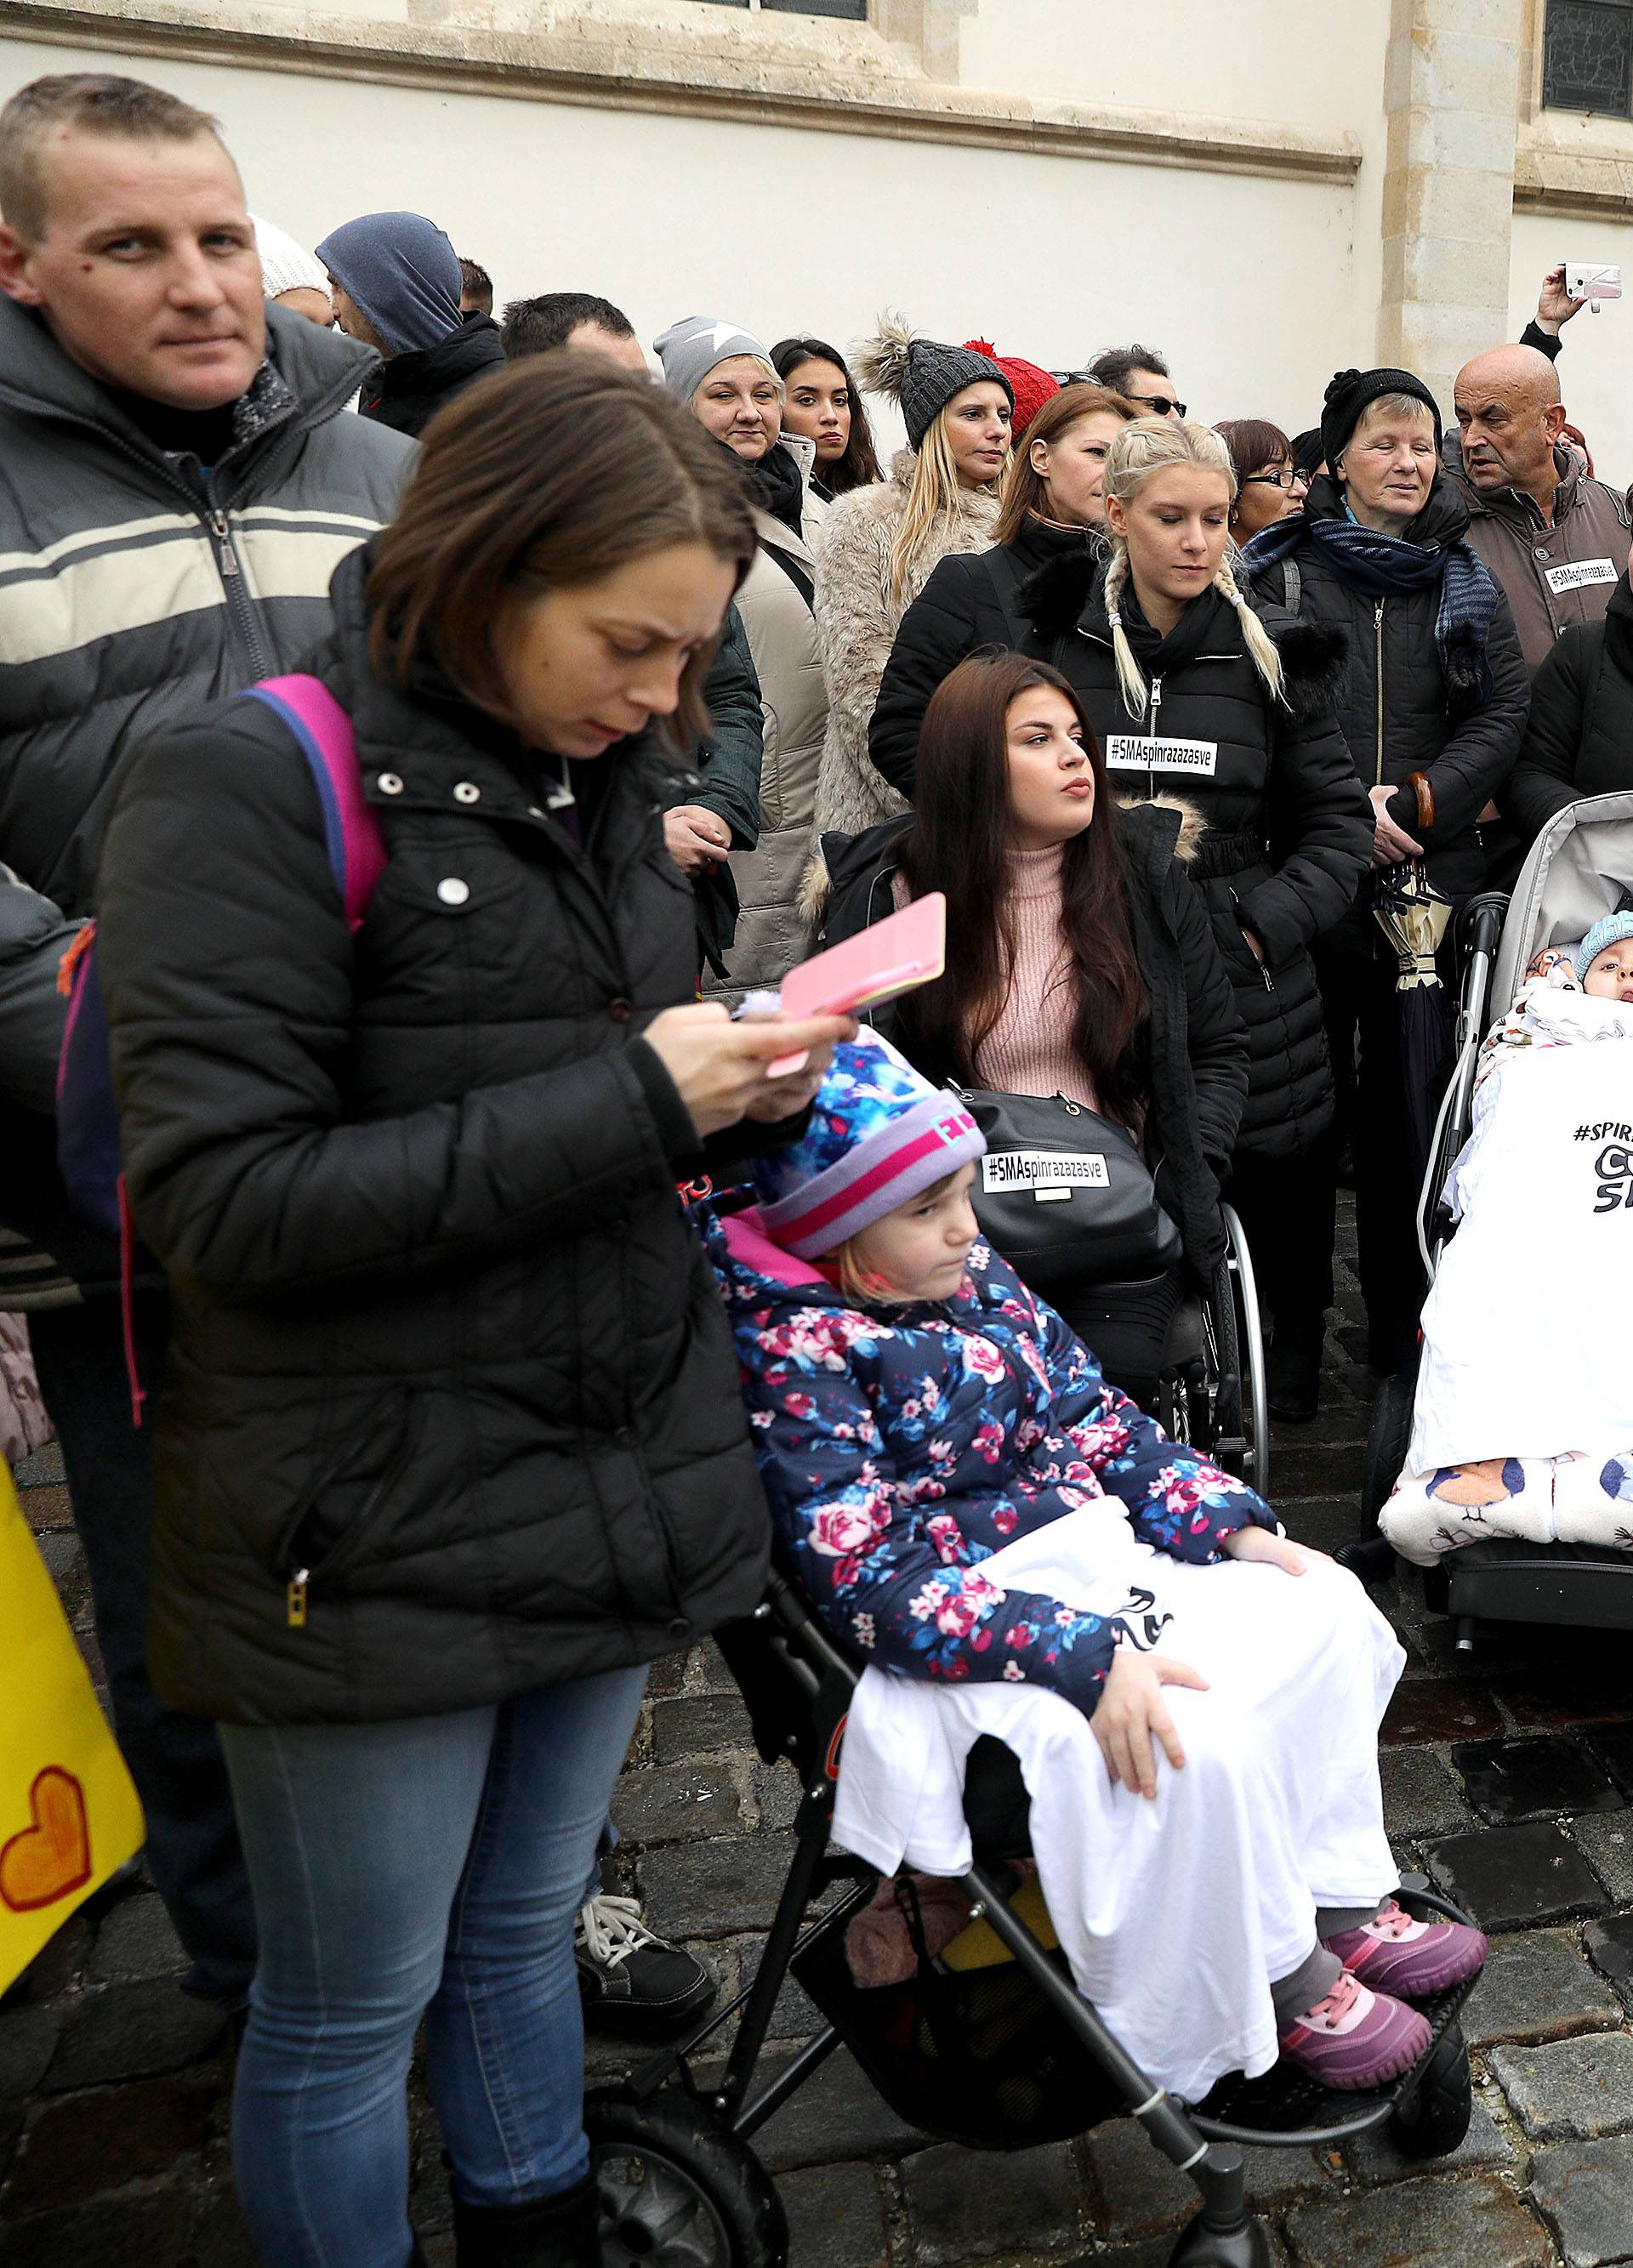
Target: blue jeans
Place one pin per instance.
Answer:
(192, 1840)
(431, 1868)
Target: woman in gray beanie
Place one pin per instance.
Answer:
(879, 544)
(725, 377)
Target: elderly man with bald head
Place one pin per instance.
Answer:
(1554, 538)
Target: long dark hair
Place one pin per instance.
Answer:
(859, 467)
(959, 842)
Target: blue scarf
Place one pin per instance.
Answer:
(1383, 565)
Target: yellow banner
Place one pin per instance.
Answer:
(69, 1814)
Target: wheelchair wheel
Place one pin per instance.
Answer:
(1243, 1405)
(1432, 2118)
(676, 2189)
(1387, 1439)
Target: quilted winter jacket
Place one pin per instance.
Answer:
(858, 616)
(1392, 705)
(969, 603)
(1198, 1045)
(1579, 739)
(901, 1447)
(794, 703)
(1285, 834)
(129, 593)
(449, 1412)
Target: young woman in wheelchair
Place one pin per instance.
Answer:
(1192, 1697)
(1081, 962)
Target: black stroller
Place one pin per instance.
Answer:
(1576, 872)
(998, 2058)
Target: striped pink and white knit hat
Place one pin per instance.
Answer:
(878, 1135)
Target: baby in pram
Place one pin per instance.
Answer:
(1543, 1190)
(1017, 1550)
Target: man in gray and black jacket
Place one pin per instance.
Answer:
(177, 485)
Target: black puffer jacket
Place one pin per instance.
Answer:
(442, 1335)
(1197, 1047)
(968, 603)
(1580, 740)
(1279, 834)
(1392, 701)
(410, 388)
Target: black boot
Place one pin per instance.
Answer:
(1293, 1370)
(558, 2232)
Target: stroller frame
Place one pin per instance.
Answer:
(1576, 1585)
(798, 1685)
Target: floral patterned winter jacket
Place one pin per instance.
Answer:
(899, 1450)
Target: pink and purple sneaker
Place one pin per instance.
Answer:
(1356, 2038)
(1413, 1959)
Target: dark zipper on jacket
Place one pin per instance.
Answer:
(242, 608)
(1153, 702)
(1236, 908)
(291, 1562)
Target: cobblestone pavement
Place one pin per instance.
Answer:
(1508, 1780)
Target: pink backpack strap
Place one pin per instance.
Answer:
(357, 850)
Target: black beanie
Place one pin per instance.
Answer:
(1349, 394)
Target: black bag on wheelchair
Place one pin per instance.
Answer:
(1064, 1194)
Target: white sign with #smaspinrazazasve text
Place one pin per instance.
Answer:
(1134, 752)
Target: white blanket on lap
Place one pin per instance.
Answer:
(1525, 1330)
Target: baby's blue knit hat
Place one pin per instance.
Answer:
(878, 1135)
(1611, 931)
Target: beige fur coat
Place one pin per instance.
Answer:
(857, 619)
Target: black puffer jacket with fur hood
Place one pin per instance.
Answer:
(1278, 832)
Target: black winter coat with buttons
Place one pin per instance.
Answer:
(1277, 834)
(451, 1412)
(1393, 709)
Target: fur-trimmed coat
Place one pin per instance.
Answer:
(1287, 829)
(857, 618)
(782, 642)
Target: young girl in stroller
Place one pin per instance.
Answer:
(1550, 1147)
(1016, 1550)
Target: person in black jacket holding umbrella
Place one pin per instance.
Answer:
(1080, 961)
(1433, 706)
(450, 1445)
(1579, 739)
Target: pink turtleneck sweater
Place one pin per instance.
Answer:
(1029, 1049)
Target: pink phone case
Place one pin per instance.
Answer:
(907, 949)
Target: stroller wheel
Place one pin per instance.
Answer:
(1432, 2117)
(1387, 1435)
(676, 2189)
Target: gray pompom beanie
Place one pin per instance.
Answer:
(922, 375)
(689, 349)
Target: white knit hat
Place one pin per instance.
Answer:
(284, 267)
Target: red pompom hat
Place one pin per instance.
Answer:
(1032, 386)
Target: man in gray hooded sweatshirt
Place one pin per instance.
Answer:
(396, 282)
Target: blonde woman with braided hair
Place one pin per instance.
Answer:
(1225, 715)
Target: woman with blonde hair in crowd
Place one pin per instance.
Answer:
(1200, 701)
(727, 379)
(1052, 506)
(879, 545)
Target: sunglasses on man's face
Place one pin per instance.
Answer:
(1160, 405)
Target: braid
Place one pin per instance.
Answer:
(1130, 677)
(1261, 646)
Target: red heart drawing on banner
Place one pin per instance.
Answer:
(51, 1857)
